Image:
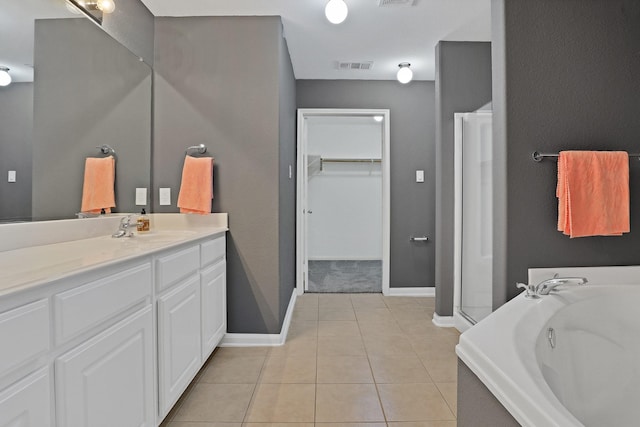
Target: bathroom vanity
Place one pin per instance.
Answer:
(103, 331)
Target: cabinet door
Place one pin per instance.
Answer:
(108, 380)
(214, 307)
(179, 350)
(27, 403)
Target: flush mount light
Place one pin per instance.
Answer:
(378, 118)
(5, 77)
(336, 11)
(404, 73)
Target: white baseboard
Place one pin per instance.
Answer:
(443, 321)
(412, 292)
(263, 340)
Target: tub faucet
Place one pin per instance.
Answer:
(544, 287)
(124, 230)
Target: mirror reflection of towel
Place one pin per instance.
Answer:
(196, 190)
(593, 193)
(99, 181)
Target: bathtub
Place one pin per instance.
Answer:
(591, 375)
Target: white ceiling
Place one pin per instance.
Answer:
(385, 35)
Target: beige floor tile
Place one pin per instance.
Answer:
(304, 315)
(424, 328)
(241, 351)
(367, 301)
(296, 347)
(435, 347)
(289, 369)
(417, 314)
(347, 403)
(400, 301)
(377, 328)
(334, 301)
(232, 370)
(216, 402)
(351, 424)
(337, 314)
(344, 370)
(398, 370)
(413, 402)
(442, 370)
(278, 425)
(374, 314)
(340, 346)
(282, 403)
(388, 346)
(338, 328)
(450, 393)
(189, 424)
(303, 330)
(425, 424)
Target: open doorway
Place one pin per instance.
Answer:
(343, 201)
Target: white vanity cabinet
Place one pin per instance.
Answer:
(108, 380)
(113, 344)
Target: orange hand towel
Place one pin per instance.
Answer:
(196, 190)
(593, 193)
(98, 188)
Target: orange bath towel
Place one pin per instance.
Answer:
(593, 193)
(98, 188)
(196, 190)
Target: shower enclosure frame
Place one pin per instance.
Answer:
(302, 272)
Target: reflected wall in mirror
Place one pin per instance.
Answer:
(88, 90)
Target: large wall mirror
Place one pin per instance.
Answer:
(74, 88)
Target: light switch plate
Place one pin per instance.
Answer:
(141, 196)
(165, 196)
(419, 176)
(12, 176)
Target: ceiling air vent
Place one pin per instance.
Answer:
(365, 65)
(391, 3)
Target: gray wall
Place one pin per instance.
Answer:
(287, 207)
(89, 90)
(16, 129)
(222, 81)
(477, 406)
(132, 25)
(463, 84)
(566, 76)
(412, 148)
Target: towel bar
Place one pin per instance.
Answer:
(538, 157)
(105, 149)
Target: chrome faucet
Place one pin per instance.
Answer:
(544, 287)
(124, 230)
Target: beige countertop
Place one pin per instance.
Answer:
(33, 266)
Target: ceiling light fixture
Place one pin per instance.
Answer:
(106, 6)
(336, 11)
(378, 118)
(404, 73)
(5, 77)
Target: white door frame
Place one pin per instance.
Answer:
(301, 184)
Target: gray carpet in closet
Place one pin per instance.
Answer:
(345, 276)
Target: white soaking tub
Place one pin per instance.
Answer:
(571, 358)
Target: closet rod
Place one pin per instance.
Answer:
(538, 157)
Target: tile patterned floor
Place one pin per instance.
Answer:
(351, 360)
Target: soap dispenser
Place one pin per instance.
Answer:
(143, 224)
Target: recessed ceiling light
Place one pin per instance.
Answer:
(378, 118)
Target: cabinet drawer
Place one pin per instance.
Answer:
(176, 266)
(27, 403)
(86, 306)
(24, 334)
(213, 251)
